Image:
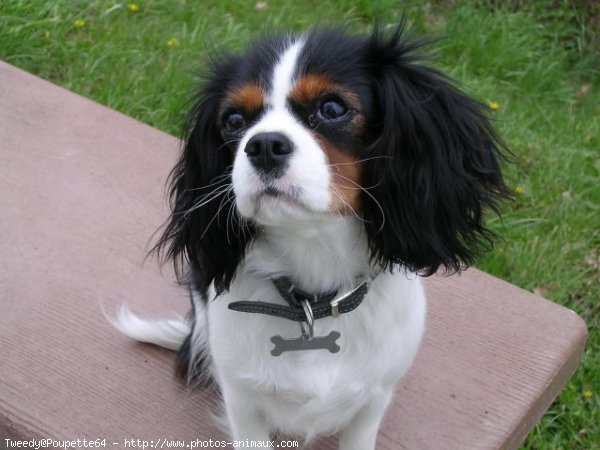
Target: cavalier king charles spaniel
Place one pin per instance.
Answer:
(320, 176)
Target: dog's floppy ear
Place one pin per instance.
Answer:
(434, 166)
(204, 230)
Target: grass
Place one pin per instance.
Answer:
(537, 62)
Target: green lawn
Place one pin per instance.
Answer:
(538, 63)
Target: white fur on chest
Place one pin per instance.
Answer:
(314, 391)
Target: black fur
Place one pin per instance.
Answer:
(443, 168)
(195, 372)
(198, 236)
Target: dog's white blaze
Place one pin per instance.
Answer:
(307, 174)
(283, 76)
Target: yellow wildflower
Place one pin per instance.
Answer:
(519, 190)
(132, 7)
(587, 394)
(79, 23)
(173, 42)
(494, 106)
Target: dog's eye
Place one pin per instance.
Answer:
(234, 121)
(332, 109)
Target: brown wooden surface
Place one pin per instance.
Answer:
(81, 192)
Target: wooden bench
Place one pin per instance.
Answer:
(82, 190)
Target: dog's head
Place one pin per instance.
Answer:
(325, 124)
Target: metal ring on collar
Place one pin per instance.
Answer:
(310, 318)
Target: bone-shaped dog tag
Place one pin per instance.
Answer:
(302, 343)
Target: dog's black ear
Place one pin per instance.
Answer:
(434, 166)
(204, 232)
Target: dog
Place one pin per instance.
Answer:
(321, 176)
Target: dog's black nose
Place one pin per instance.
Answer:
(269, 152)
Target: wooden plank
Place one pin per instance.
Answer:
(82, 190)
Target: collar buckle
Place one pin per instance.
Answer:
(335, 303)
(335, 309)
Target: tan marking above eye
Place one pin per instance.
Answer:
(310, 88)
(249, 97)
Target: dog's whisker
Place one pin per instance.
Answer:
(347, 205)
(215, 194)
(358, 161)
(221, 205)
(356, 185)
(366, 191)
(229, 219)
(205, 200)
(215, 181)
(226, 143)
(229, 212)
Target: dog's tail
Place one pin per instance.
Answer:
(188, 336)
(169, 334)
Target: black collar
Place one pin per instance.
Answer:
(322, 305)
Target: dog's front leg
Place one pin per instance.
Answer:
(246, 420)
(361, 433)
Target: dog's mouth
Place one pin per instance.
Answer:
(290, 199)
(272, 191)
